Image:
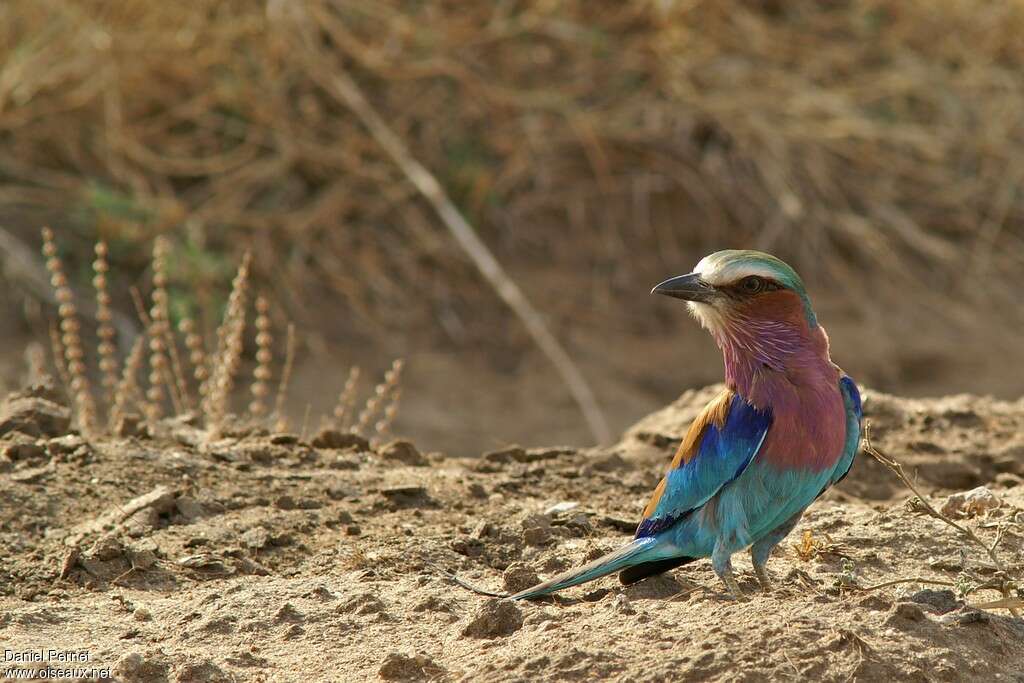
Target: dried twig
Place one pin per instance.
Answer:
(280, 421)
(922, 504)
(345, 89)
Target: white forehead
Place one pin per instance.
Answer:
(718, 271)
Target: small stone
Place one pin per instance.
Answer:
(537, 536)
(20, 447)
(288, 613)
(622, 605)
(284, 439)
(970, 503)
(130, 425)
(403, 452)
(477, 490)
(519, 576)
(495, 619)
(505, 455)
(903, 612)
(202, 671)
(399, 667)
(143, 555)
(135, 667)
(344, 517)
(33, 416)
(332, 438)
(611, 462)
(65, 444)
(189, 508)
(142, 614)
(32, 475)
(353, 530)
(256, 538)
(938, 601)
(559, 508)
(105, 548)
(406, 496)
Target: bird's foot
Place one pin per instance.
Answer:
(734, 588)
(763, 579)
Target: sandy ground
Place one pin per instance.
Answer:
(260, 557)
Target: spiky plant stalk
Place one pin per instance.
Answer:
(261, 374)
(85, 408)
(229, 351)
(128, 391)
(107, 347)
(380, 394)
(196, 353)
(280, 421)
(347, 399)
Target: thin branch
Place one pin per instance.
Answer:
(923, 504)
(896, 582)
(344, 88)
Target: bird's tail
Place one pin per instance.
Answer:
(635, 552)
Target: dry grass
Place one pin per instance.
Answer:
(167, 385)
(854, 138)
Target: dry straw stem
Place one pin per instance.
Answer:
(280, 421)
(379, 397)
(229, 350)
(128, 391)
(159, 371)
(1002, 578)
(196, 352)
(347, 399)
(107, 348)
(337, 82)
(71, 340)
(260, 388)
(57, 349)
(383, 426)
(35, 361)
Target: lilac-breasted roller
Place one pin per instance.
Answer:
(786, 427)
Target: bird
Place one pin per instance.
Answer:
(785, 428)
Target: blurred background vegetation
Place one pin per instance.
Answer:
(597, 147)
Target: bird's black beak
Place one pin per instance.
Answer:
(688, 287)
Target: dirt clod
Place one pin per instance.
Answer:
(519, 576)
(399, 667)
(494, 619)
(333, 438)
(33, 416)
(403, 452)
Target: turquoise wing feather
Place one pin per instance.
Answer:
(854, 415)
(720, 444)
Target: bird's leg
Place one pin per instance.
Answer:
(762, 550)
(763, 578)
(722, 564)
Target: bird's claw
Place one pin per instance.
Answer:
(762, 578)
(734, 588)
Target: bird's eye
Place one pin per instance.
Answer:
(752, 284)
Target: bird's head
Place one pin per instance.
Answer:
(737, 291)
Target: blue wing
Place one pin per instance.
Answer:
(854, 414)
(720, 444)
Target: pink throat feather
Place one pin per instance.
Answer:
(784, 366)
